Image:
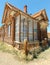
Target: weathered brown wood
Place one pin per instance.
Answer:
(38, 31)
(13, 30)
(25, 47)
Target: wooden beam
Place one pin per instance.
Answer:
(13, 30)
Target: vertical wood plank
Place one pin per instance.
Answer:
(13, 30)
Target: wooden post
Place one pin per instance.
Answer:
(25, 47)
(13, 31)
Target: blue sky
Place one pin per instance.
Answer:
(33, 7)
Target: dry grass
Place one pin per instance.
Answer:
(8, 52)
(20, 54)
(4, 47)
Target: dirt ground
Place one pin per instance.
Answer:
(9, 59)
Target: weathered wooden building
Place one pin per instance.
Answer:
(19, 25)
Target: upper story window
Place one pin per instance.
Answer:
(9, 30)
